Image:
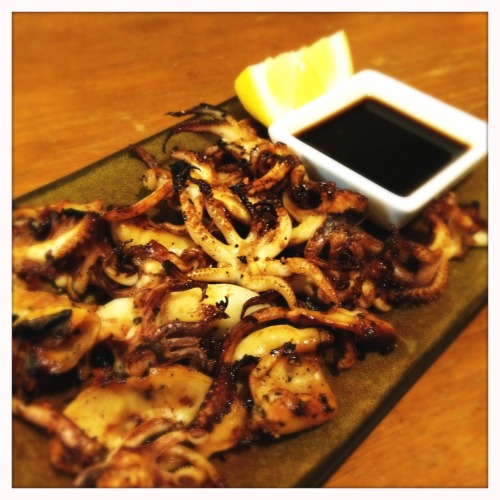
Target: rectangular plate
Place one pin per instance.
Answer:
(365, 393)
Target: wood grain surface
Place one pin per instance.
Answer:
(87, 85)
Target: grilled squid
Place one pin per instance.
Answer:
(218, 308)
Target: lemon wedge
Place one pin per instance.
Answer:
(277, 85)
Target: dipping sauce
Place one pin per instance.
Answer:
(384, 145)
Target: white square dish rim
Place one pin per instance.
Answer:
(386, 206)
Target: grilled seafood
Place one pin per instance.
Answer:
(223, 319)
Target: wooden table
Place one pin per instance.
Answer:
(86, 85)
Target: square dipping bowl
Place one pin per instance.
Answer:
(399, 147)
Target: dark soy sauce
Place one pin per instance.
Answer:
(384, 145)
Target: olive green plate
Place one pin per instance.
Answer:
(365, 393)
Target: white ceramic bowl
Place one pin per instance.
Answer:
(386, 207)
